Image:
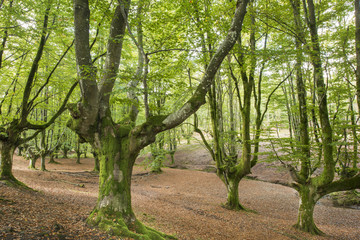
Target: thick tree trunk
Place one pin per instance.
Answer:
(78, 155)
(114, 201)
(308, 199)
(113, 211)
(32, 162)
(7, 151)
(52, 158)
(232, 186)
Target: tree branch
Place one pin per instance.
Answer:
(34, 67)
(57, 114)
(113, 56)
(198, 99)
(31, 102)
(341, 185)
(158, 124)
(273, 91)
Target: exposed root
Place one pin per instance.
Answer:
(13, 182)
(237, 207)
(53, 162)
(309, 228)
(115, 225)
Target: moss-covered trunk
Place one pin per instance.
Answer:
(52, 158)
(7, 151)
(96, 162)
(32, 162)
(308, 199)
(232, 186)
(43, 159)
(114, 201)
(113, 211)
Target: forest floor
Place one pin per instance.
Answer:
(182, 202)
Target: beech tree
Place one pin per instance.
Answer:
(22, 95)
(313, 163)
(118, 144)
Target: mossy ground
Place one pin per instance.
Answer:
(115, 225)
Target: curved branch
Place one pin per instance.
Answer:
(157, 124)
(31, 102)
(198, 98)
(273, 91)
(341, 185)
(57, 114)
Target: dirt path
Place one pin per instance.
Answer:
(185, 203)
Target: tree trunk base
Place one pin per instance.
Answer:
(157, 170)
(237, 207)
(117, 226)
(312, 229)
(53, 162)
(13, 182)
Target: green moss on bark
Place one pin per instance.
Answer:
(305, 220)
(114, 224)
(7, 151)
(113, 212)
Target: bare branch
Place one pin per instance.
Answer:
(99, 56)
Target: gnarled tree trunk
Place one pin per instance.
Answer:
(308, 199)
(7, 151)
(232, 186)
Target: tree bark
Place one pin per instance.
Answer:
(96, 162)
(43, 150)
(232, 187)
(7, 151)
(32, 162)
(308, 199)
(43, 162)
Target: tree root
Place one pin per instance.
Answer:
(237, 207)
(117, 226)
(54, 162)
(13, 182)
(311, 228)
